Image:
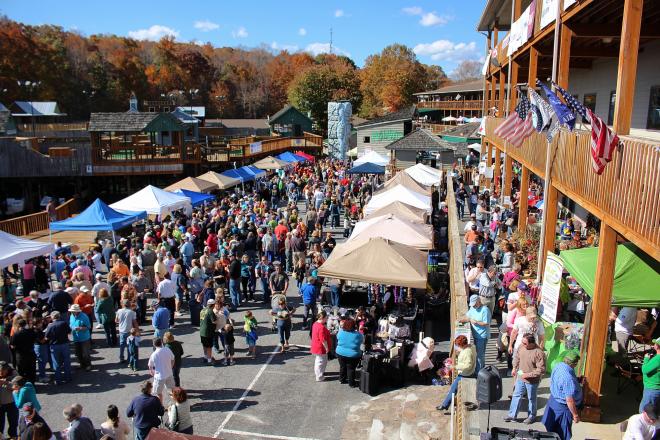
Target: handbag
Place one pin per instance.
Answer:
(174, 426)
(509, 221)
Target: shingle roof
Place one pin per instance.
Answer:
(463, 131)
(476, 85)
(418, 140)
(36, 108)
(131, 122)
(404, 114)
(286, 108)
(237, 123)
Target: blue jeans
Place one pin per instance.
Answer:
(452, 390)
(523, 387)
(141, 433)
(284, 330)
(266, 289)
(43, 357)
(123, 337)
(649, 396)
(334, 296)
(61, 357)
(160, 332)
(480, 345)
(235, 292)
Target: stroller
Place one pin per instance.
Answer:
(274, 303)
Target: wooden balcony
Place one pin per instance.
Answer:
(435, 128)
(626, 195)
(39, 221)
(452, 105)
(274, 145)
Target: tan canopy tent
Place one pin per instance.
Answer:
(402, 178)
(401, 210)
(378, 261)
(270, 163)
(192, 184)
(391, 227)
(223, 182)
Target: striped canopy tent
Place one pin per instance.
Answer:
(221, 181)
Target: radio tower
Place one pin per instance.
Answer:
(330, 40)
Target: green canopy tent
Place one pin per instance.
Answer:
(636, 274)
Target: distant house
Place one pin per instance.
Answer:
(461, 99)
(190, 123)
(197, 111)
(290, 122)
(236, 127)
(41, 111)
(7, 123)
(418, 146)
(378, 133)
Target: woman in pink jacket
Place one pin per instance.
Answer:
(321, 344)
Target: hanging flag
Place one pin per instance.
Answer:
(518, 126)
(603, 140)
(541, 111)
(509, 125)
(564, 114)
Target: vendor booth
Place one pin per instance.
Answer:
(401, 210)
(192, 184)
(401, 194)
(371, 157)
(392, 227)
(196, 198)
(367, 168)
(154, 201)
(221, 181)
(289, 157)
(15, 250)
(424, 174)
(254, 171)
(98, 217)
(404, 179)
(270, 163)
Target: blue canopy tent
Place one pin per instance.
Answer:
(239, 174)
(254, 171)
(367, 168)
(98, 217)
(196, 198)
(290, 157)
(301, 158)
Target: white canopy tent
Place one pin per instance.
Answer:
(155, 201)
(476, 147)
(401, 194)
(424, 174)
(371, 157)
(15, 250)
(392, 227)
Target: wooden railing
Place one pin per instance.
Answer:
(28, 224)
(626, 195)
(452, 105)
(26, 128)
(136, 153)
(435, 128)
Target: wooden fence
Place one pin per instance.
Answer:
(39, 221)
(452, 105)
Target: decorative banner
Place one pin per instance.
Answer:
(549, 11)
(520, 30)
(482, 168)
(255, 147)
(484, 69)
(550, 288)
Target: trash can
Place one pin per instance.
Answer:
(194, 308)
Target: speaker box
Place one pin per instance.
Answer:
(489, 385)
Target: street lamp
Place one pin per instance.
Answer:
(30, 86)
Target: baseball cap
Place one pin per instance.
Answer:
(210, 302)
(473, 300)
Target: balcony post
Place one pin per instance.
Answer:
(533, 64)
(500, 106)
(493, 90)
(628, 51)
(489, 161)
(550, 224)
(600, 310)
(522, 203)
(497, 174)
(508, 175)
(564, 56)
(513, 92)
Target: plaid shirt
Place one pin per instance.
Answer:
(564, 383)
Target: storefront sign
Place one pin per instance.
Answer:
(550, 288)
(255, 147)
(386, 135)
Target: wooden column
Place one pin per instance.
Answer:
(497, 175)
(533, 65)
(500, 106)
(600, 310)
(522, 203)
(550, 214)
(628, 50)
(493, 92)
(513, 93)
(489, 161)
(508, 175)
(564, 56)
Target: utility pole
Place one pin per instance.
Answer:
(330, 40)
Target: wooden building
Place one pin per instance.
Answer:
(376, 134)
(456, 100)
(607, 58)
(7, 123)
(424, 146)
(290, 122)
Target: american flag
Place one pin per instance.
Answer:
(518, 125)
(603, 140)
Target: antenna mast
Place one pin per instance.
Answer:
(330, 40)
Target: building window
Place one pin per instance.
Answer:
(610, 114)
(166, 109)
(152, 110)
(590, 101)
(654, 109)
(366, 140)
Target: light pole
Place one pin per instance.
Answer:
(30, 86)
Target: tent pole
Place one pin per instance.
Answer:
(114, 239)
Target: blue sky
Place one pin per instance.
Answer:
(441, 31)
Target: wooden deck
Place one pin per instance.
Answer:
(78, 240)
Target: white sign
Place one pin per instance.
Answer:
(255, 147)
(463, 329)
(482, 167)
(549, 11)
(488, 173)
(484, 69)
(520, 29)
(550, 288)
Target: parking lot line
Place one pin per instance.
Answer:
(259, 435)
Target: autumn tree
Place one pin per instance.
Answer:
(467, 70)
(389, 80)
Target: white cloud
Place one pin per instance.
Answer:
(317, 48)
(206, 25)
(302, 32)
(339, 13)
(431, 19)
(412, 10)
(445, 50)
(288, 47)
(241, 32)
(154, 33)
